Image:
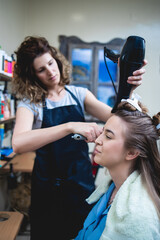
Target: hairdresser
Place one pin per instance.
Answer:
(128, 206)
(50, 111)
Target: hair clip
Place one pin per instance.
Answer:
(133, 101)
(158, 126)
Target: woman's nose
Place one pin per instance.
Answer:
(49, 71)
(99, 139)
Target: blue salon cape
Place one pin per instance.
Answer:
(96, 219)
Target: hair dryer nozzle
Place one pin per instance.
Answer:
(131, 59)
(134, 49)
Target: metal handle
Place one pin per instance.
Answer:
(78, 137)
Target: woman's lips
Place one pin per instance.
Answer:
(96, 151)
(53, 77)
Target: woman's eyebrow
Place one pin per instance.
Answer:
(109, 131)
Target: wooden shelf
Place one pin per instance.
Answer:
(7, 120)
(4, 77)
(21, 162)
(10, 225)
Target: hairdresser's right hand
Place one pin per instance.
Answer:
(89, 130)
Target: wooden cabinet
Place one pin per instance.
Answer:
(89, 69)
(4, 77)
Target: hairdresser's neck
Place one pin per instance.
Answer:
(56, 93)
(55, 89)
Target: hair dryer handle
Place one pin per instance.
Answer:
(126, 70)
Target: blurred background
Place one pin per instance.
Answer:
(100, 21)
(89, 20)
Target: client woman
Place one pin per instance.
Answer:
(128, 206)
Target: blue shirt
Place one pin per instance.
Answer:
(96, 219)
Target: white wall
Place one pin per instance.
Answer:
(91, 20)
(12, 23)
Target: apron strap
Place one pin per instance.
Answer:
(44, 105)
(75, 98)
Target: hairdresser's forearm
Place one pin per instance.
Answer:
(34, 139)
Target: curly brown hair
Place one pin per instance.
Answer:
(25, 83)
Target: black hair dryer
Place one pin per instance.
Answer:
(130, 60)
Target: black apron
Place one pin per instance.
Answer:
(61, 180)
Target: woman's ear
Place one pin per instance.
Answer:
(132, 154)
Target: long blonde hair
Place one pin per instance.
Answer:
(142, 134)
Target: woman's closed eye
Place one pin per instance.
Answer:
(40, 70)
(51, 63)
(109, 134)
(108, 137)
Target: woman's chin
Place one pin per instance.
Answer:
(96, 159)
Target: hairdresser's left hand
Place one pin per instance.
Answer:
(137, 77)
